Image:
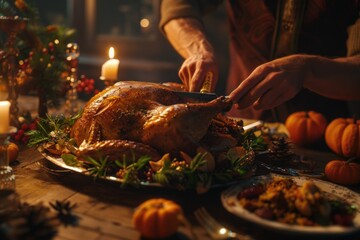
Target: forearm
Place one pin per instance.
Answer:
(187, 36)
(335, 78)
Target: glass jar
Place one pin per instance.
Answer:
(7, 176)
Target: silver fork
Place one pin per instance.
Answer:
(215, 229)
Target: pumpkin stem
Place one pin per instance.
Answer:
(158, 205)
(351, 159)
(355, 118)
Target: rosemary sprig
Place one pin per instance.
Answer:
(254, 140)
(186, 177)
(198, 161)
(99, 167)
(52, 129)
(102, 167)
(236, 168)
(131, 168)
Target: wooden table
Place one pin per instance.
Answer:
(105, 210)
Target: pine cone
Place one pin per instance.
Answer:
(280, 150)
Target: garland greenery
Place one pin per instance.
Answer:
(134, 171)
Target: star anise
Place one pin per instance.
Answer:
(65, 213)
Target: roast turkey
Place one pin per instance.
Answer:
(144, 118)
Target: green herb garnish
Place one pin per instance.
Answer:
(52, 129)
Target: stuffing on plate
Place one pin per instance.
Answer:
(284, 201)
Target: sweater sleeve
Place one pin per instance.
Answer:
(353, 42)
(172, 9)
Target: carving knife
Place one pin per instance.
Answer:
(204, 95)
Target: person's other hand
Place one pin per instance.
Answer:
(193, 71)
(271, 83)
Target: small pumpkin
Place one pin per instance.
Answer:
(12, 151)
(343, 136)
(157, 218)
(306, 127)
(343, 172)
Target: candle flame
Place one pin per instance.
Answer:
(111, 53)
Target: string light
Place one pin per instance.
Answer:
(144, 23)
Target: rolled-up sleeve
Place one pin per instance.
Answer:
(353, 41)
(171, 9)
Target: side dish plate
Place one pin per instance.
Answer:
(231, 204)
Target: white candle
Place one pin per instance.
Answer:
(109, 70)
(4, 116)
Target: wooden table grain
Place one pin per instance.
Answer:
(105, 210)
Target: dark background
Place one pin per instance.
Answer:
(144, 53)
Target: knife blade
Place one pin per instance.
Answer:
(204, 95)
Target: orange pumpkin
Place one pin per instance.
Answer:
(157, 218)
(343, 172)
(343, 136)
(306, 128)
(13, 151)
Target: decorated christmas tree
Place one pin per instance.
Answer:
(42, 63)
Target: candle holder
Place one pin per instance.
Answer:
(12, 26)
(7, 176)
(72, 56)
(108, 83)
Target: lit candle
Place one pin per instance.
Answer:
(4, 116)
(109, 70)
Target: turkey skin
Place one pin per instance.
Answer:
(144, 118)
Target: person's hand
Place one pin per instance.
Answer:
(272, 83)
(193, 71)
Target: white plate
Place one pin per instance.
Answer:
(231, 204)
